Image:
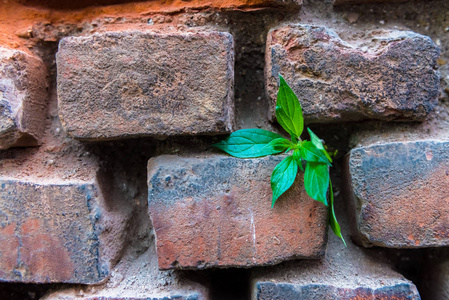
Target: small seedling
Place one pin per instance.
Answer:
(309, 156)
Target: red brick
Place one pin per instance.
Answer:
(137, 277)
(215, 211)
(23, 99)
(172, 5)
(397, 194)
(50, 232)
(385, 74)
(140, 83)
(343, 273)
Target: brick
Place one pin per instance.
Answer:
(50, 232)
(176, 5)
(23, 98)
(137, 277)
(270, 290)
(397, 193)
(343, 2)
(139, 83)
(385, 74)
(215, 211)
(171, 297)
(343, 273)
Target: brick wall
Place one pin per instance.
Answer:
(109, 186)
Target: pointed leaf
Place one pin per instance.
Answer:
(280, 144)
(283, 176)
(288, 110)
(316, 181)
(247, 143)
(318, 143)
(332, 218)
(312, 154)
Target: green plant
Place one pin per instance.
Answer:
(250, 143)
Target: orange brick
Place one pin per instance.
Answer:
(397, 194)
(215, 211)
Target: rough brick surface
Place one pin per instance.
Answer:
(397, 194)
(23, 98)
(49, 232)
(342, 2)
(173, 297)
(58, 296)
(135, 83)
(344, 273)
(172, 5)
(136, 276)
(215, 211)
(387, 75)
(270, 290)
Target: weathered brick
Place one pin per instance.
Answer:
(397, 193)
(138, 83)
(270, 290)
(171, 297)
(174, 297)
(384, 74)
(176, 5)
(23, 98)
(342, 2)
(50, 232)
(215, 211)
(137, 276)
(344, 273)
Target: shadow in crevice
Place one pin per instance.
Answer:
(230, 284)
(25, 291)
(122, 180)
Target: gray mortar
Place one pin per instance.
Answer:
(137, 276)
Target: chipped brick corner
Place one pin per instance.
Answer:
(23, 98)
(392, 76)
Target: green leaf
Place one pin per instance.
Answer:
(332, 218)
(283, 176)
(288, 110)
(280, 144)
(298, 158)
(312, 154)
(318, 143)
(316, 181)
(247, 143)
